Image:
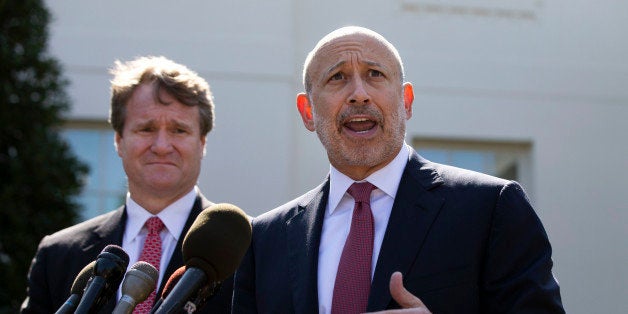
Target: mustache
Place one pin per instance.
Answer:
(366, 111)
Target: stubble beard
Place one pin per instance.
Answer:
(362, 152)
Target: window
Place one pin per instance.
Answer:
(105, 185)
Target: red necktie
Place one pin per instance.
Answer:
(151, 253)
(353, 280)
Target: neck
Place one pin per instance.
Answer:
(359, 173)
(154, 203)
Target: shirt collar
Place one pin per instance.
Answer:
(386, 179)
(173, 216)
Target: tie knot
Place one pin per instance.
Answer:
(361, 191)
(154, 224)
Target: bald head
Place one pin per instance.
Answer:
(356, 100)
(356, 32)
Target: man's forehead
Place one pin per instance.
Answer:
(165, 119)
(367, 49)
(340, 41)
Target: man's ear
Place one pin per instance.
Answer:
(408, 98)
(116, 142)
(204, 144)
(305, 109)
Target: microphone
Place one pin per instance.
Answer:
(138, 283)
(172, 281)
(108, 272)
(212, 251)
(77, 289)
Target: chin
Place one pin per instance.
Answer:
(164, 184)
(359, 158)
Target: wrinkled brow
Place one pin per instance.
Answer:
(334, 67)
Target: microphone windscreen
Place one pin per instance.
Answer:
(140, 280)
(117, 251)
(217, 241)
(81, 279)
(148, 269)
(172, 281)
(111, 264)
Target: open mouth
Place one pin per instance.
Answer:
(360, 125)
(161, 163)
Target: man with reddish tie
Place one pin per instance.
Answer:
(388, 229)
(161, 113)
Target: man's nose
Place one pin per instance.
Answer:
(358, 94)
(162, 142)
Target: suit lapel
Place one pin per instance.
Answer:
(176, 260)
(109, 232)
(413, 212)
(304, 233)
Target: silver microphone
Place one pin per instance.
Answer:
(138, 283)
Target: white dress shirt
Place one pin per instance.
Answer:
(174, 217)
(337, 220)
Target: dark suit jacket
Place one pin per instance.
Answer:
(62, 255)
(465, 243)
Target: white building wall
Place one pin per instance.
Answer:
(551, 73)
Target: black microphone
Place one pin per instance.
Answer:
(77, 289)
(212, 251)
(137, 285)
(201, 297)
(172, 281)
(108, 272)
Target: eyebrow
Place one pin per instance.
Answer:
(341, 63)
(143, 123)
(183, 125)
(375, 64)
(334, 67)
(171, 122)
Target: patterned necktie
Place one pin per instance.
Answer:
(151, 253)
(353, 280)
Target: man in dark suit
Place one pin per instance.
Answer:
(161, 113)
(426, 237)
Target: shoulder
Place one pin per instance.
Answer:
(80, 234)
(479, 193)
(431, 174)
(461, 186)
(285, 212)
(282, 212)
(461, 177)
